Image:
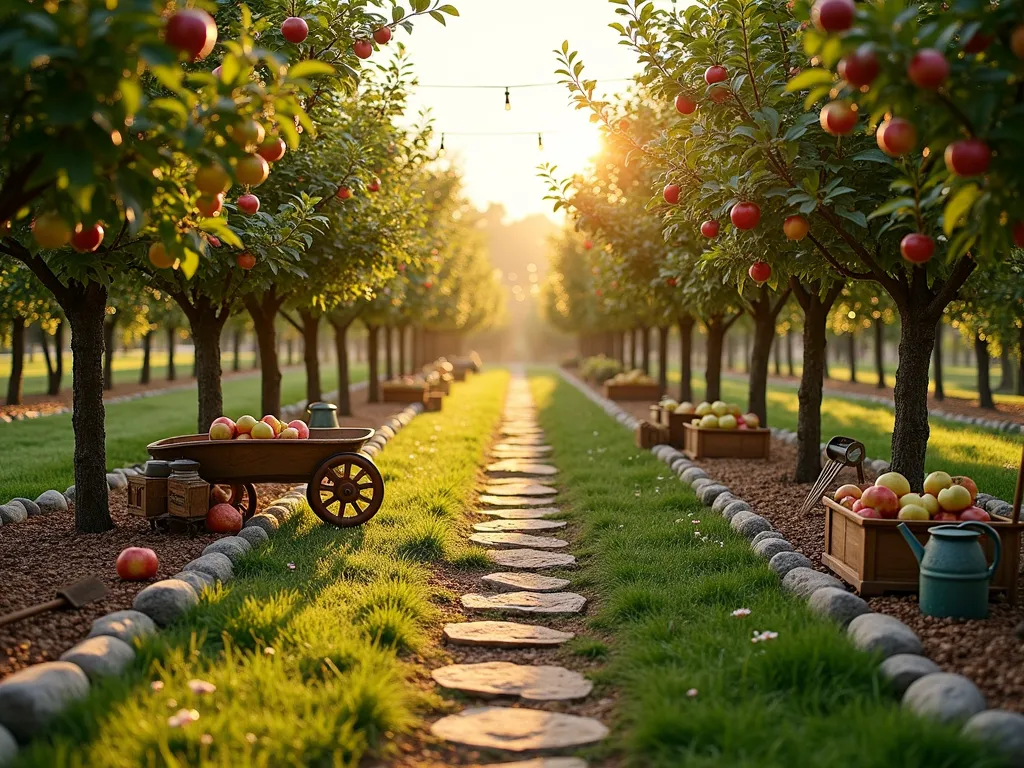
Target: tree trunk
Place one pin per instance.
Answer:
(880, 353)
(311, 356)
(1006, 370)
(911, 430)
(207, 327)
(14, 383)
(622, 348)
(764, 314)
(686, 324)
(109, 326)
(263, 309)
(717, 327)
(86, 313)
(746, 351)
(789, 355)
(236, 350)
(55, 381)
(663, 358)
(373, 355)
(44, 345)
(1020, 361)
(645, 350)
(777, 354)
(937, 375)
(289, 346)
(344, 399)
(389, 363)
(730, 361)
(417, 348)
(984, 383)
(634, 349)
(172, 338)
(851, 350)
(147, 349)
(825, 372)
(403, 370)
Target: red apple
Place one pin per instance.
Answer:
(715, 74)
(245, 260)
(374, 185)
(969, 157)
(1017, 41)
(294, 29)
(872, 513)
(709, 229)
(192, 31)
(848, 502)
(214, 241)
(301, 427)
(896, 136)
(1018, 234)
(363, 48)
(87, 239)
(248, 204)
(223, 518)
(274, 422)
(833, 15)
(860, 68)
(719, 95)
(975, 513)
(745, 215)
(272, 149)
(796, 227)
(760, 272)
(837, 118)
(210, 205)
(685, 105)
(227, 422)
(858, 505)
(847, 490)
(382, 36)
(587, 245)
(928, 69)
(883, 500)
(917, 248)
(967, 483)
(945, 517)
(978, 42)
(137, 564)
(671, 194)
(671, 282)
(252, 170)
(343, 193)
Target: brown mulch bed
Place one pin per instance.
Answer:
(989, 651)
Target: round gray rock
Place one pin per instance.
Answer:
(838, 604)
(766, 535)
(116, 481)
(709, 493)
(878, 633)
(268, 523)
(231, 546)
(30, 506)
(293, 503)
(945, 697)
(283, 514)
(254, 535)
(102, 656)
(784, 562)
(804, 582)
(200, 581)
(12, 513)
(32, 697)
(124, 625)
(722, 501)
(166, 601)
(769, 548)
(749, 525)
(679, 463)
(733, 508)
(215, 564)
(1003, 730)
(8, 747)
(69, 495)
(52, 501)
(693, 473)
(904, 668)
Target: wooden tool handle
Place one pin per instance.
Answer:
(32, 610)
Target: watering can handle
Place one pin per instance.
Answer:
(993, 536)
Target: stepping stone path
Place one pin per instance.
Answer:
(519, 505)
(518, 525)
(502, 678)
(525, 582)
(526, 602)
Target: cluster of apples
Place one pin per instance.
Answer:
(719, 415)
(631, 377)
(943, 498)
(267, 428)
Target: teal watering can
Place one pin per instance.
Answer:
(954, 573)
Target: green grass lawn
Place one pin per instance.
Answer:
(666, 575)
(37, 453)
(343, 627)
(990, 458)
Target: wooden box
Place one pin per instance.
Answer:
(676, 430)
(434, 402)
(699, 443)
(632, 391)
(872, 556)
(147, 496)
(443, 386)
(403, 393)
(188, 498)
(649, 435)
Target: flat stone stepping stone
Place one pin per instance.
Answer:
(532, 559)
(508, 540)
(527, 582)
(498, 526)
(521, 514)
(520, 452)
(529, 440)
(504, 634)
(509, 467)
(526, 602)
(542, 762)
(519, 488)
(516, 729)
(517, 501)
(503, 678)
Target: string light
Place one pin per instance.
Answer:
(540, 142)
(508, 104)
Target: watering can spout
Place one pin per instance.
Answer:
(912, 542)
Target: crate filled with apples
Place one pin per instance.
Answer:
(864, 546)
(721, 430)
(267, 428)
(405, 389)
(632, 385)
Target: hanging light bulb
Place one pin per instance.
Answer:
(540, 142)
(508, 104)
(440, 152)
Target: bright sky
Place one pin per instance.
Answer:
(509, 43)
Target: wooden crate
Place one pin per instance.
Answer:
(632, 391)
(434, 402)
(649, 435)
(147, 496)
(442, 386)
(676, 429)
(701, 443)
(403, 393)
(872, 556)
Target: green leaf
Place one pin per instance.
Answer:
(308, 68)
(810, 78)
(438, 17)
(856, 217)
(872, 156)
(959, 206)
(451, 10)
(893, 205)
(189, 263)
(173, 106)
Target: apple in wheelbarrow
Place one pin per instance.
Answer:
(223, 518)
(301, 427)
(223, 429)
(137, 564)
(263, 431)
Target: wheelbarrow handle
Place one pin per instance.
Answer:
(32, 610)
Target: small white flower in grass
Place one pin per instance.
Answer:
(268, 651)
(637, 493)
(183, 717)
(622, 526)
(250, 737)
(291, 566)
(692, 693)
(201, 686)
(156, 685)
(172, 703)
(596, 433)
(660, 477)
(741, 612)
(206, 738)
(761, 637)
(695, 522)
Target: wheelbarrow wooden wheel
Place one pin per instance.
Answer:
(346, 490)
(243, 498)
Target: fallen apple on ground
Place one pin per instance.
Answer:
(137, 564)
(223, 518)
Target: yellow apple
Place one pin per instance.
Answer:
(930, 503)
(911, 498)
(262, 431)
(913, 512)
(289, 433)
(956, 498)
(895, 482)
(245, 424)
(728, 421)
(703, 409)
(221, 431)
(719, 408)
(685, 408)
(709, 422)
(846, 490)
(936, 482)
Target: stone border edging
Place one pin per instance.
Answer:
(32, 697)
(922, 686)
